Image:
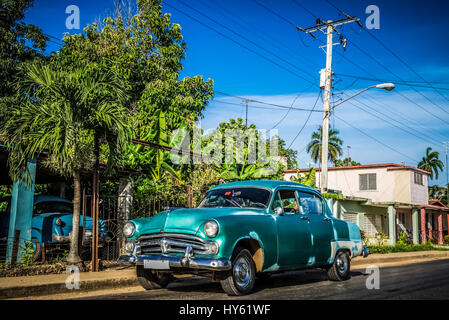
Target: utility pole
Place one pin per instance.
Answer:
(327, 28)
(446, 144)
(246, 115)
(349, 158)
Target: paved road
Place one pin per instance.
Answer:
(427, 280)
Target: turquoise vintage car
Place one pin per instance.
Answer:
(240, 231)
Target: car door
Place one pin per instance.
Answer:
(294, 242)
(320, 225)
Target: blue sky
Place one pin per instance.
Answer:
(412, 117)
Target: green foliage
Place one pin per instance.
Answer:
(431, 163)
(20, 43)
(380, 238)
(241, 169)
(438, 193)
(446, 240)
(344, 162)
(365, 239)
(59, 115)
(27, 253)
(335, 143)
(334, 196)
(404, 239)
(400, 247)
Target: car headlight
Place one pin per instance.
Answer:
(128, 229)
(129, 246)
(211, 228)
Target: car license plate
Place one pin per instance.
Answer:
(156, 264)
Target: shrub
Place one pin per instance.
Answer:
(403, 238)
(402, 248)
(446, 240)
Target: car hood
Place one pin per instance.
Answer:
(186, 220)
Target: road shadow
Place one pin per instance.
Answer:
(280, 280)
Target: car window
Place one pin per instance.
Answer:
(52, 207)
(309, 203)
(287, 200)
(237, 197)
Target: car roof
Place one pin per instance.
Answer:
(41, 198)
(270, 184)
(45, 198)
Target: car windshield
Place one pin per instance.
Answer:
(236, 197)
(53, 207)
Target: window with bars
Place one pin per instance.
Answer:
(373, 225)
(418, 178)
(351, 217)
(367, 181)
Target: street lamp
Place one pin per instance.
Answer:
(325, 131)
(384, 86)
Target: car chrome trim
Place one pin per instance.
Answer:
(181, 262)
(164, 243)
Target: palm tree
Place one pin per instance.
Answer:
(60, 116)
(431, 163)
(335, 143)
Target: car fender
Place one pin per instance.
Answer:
(258, 254)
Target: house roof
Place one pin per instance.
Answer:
(388, 166)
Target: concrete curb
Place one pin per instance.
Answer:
(54, 288)
(400, 257)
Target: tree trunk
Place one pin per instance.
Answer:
(73, 256)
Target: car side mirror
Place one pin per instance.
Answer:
(278, 211)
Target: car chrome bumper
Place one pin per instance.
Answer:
(181, 262)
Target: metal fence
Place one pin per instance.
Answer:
(114, 212)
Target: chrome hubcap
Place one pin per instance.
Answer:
(242, 272)
(342, 263)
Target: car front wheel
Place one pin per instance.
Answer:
(340, 270)
(151, 279)
(241, 278)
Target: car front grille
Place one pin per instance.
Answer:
(170, 243)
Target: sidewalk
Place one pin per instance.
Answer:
(16, 287)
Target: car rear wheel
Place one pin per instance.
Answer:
(241, 278)
(152, 279)
(341, 268)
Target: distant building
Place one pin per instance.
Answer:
(386, 198)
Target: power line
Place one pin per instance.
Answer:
(255, 30)
(246, 39)
(274, 13)
(371, 137)
(262, 102)
(387, 121)
(307, 120)
(404, 82)
(301, 6)
(382, 65)
(291, 106)
(393, 73)
(411, 121)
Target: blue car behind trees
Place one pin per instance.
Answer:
(51, 223)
